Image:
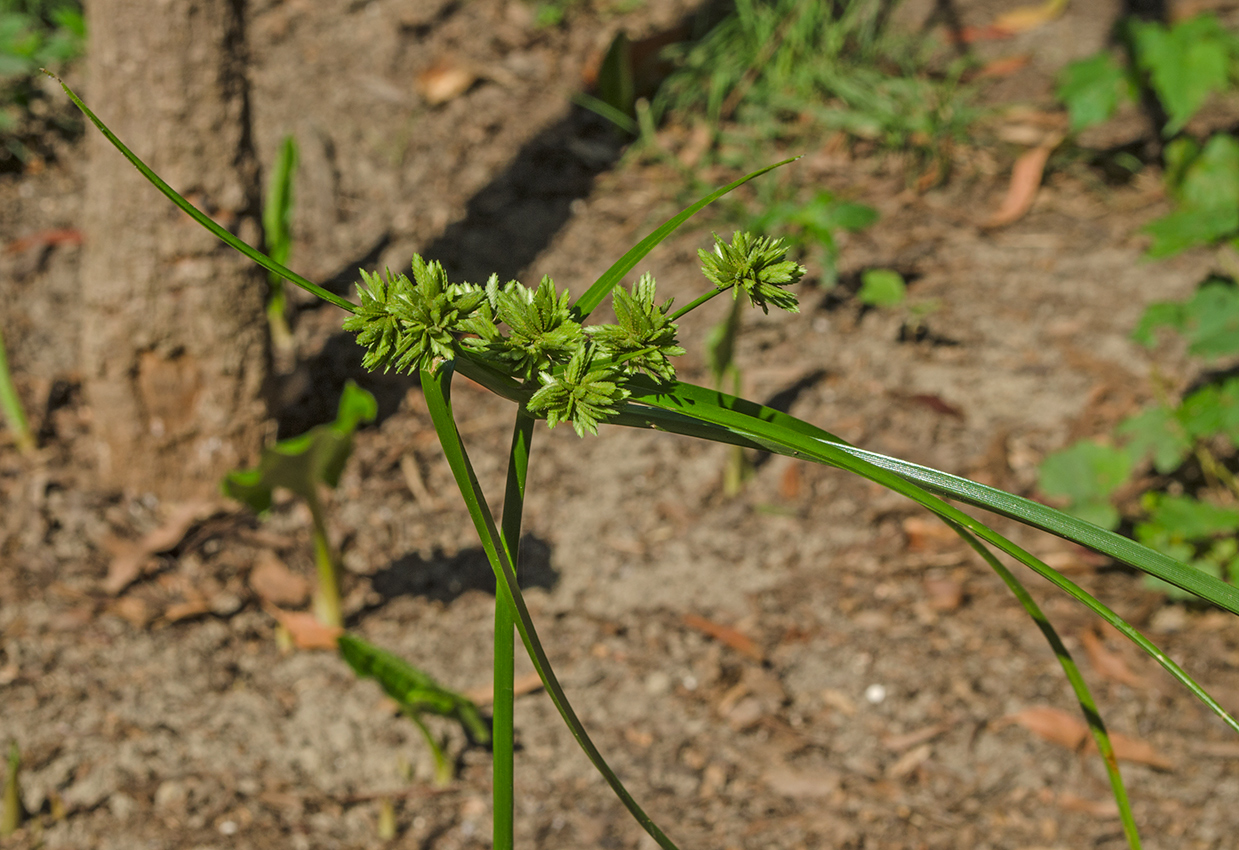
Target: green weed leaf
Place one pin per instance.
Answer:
(301, 464)
(1092, 89)
(882, 288)
(1185, 64)
(1087, 473)
(1209, 320)
(1156, 432)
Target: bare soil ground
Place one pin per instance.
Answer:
(886, 697)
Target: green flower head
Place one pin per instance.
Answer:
(644, 338)
(755, 265)
(409, 324)
(543, 330)
(584, 393)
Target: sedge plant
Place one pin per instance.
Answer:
(277, 221)
(11, 406)
(535, 349)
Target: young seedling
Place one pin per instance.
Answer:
(11, 406)
(13, 815)
(303, 465)
(552, 366)
(277, 218)
(417, 694)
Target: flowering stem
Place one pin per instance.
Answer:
(695, 303)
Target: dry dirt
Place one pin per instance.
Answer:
(886, 697)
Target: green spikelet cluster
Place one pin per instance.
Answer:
(756, 266)
(575, 374)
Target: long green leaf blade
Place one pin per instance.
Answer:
(776, 438)
(436, 386)
(594, 295)
(691, 398)
(1083, 695)
(201, 217)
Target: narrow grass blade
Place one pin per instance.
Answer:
(691, 397)
(504, 768)
(437, 386)
(11, 406)
(731, 424)
(201, 217)
(594, 295)
(1083, 695)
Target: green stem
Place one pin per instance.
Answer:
(437, 388)
(1083, 695)
(443, 767)
(503, 734)
(11, 406)
(695, 303)
(327, 595)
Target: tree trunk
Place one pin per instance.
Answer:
(174, 344)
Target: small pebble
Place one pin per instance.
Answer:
(875, 694)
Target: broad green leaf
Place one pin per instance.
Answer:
(1185, 518)
(1185, 64)
(300, 464)
(1178, 155)
(1211, 180)
(1187, 228)
(882, 288)
(1086, 474)
(1092, 89)
(1158, 432)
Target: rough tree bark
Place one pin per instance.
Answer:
(174, 342)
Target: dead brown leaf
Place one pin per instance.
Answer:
(1030, 17)
(1025, 181)
(789, 483)
(942, 593)
(726, 635)
(186, 610)
(131, 557)
(1107, 663)
(926, 534)
(274, 582)
(1096, 808)
(1004, 67)
(305, 629)
(1136, 751)
(445, 80)
(1052, 724)
(898, 743)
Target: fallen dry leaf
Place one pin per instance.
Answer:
(943, 594)
(445, 80)
(1107, 663)
(1004, 67)
(1052, 724)
(924, 534)
(1096, 808)
(274, 582)
(186, 610)
(789, 483)
(1068, 730)
(59, 236)
(130, 558)
(801, 784)
(305, 629)
(1136, 751)
(726, 635)
(1029, 17)
(898, 743)
(910, 761)
(1025, 181)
